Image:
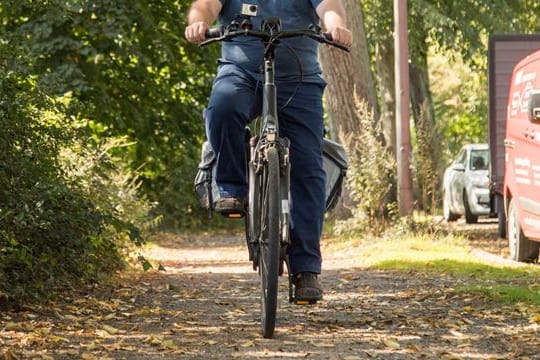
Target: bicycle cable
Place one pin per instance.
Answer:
(300, 70)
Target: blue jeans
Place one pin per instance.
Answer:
(234, 102)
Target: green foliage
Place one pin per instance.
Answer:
(370, 177)
(427, 166)
(133, 75)
(448, 39)
(460, 101)
(65, 213)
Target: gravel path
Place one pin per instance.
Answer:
(206, 306)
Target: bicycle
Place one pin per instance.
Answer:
(267, 214)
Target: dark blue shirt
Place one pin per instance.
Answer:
(294, 57)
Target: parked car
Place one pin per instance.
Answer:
(466, 185)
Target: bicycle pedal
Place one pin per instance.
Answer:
(233, 215)
(305, 302)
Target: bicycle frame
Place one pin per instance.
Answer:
(269, 137)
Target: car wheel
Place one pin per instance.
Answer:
(470, 218)
(447, 213)
(521, 248)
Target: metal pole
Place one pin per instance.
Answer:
(403, 136)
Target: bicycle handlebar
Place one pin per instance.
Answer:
(222, 34)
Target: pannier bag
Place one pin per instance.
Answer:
(335, 165)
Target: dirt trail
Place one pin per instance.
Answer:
(206, 306)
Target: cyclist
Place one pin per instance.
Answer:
(235, 101)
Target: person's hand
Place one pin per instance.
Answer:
(341, 35)
(196, 32)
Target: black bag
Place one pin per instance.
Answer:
(205, 185)
(335, 164)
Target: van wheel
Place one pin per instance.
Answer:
(470, 218)
(501, 215)
(521, 248)
(447, 213)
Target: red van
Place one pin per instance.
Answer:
(522, 160)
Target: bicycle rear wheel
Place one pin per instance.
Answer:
(269, 243)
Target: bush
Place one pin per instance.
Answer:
(66, 207)
(370, 178)
(427, 166)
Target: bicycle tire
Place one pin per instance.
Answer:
(269, 246)
(253, 218)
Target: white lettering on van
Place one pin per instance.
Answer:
(522, 172)
(522, 162)
(536, 167)
(532, 222)
(523, 181)
(525, 97)
(521, 77)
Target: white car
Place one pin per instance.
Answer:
(466, 185)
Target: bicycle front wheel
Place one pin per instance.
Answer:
(269, 243)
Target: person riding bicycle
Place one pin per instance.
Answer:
(235, 100)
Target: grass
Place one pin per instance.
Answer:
(440, 253)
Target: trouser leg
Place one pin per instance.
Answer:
(231, 107)
(302, 122)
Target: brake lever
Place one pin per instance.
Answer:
(212, 40)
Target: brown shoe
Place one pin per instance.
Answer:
(307, 288)
(229, 205)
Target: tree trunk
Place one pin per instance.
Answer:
(348, 74)
(349, 78)
(421, 101)
(384, 74)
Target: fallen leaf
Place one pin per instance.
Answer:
(457, 334)
(391, 344)
(11, 326)
(110, 316)
(111, 330)
(44, 330)
(57, 339)
(324, 345)
(169, 344)
(8, 355)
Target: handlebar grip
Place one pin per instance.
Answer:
(328, 39)
(214, 33)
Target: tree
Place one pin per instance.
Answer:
(350, 81)
(455, 28)
(130, 73)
